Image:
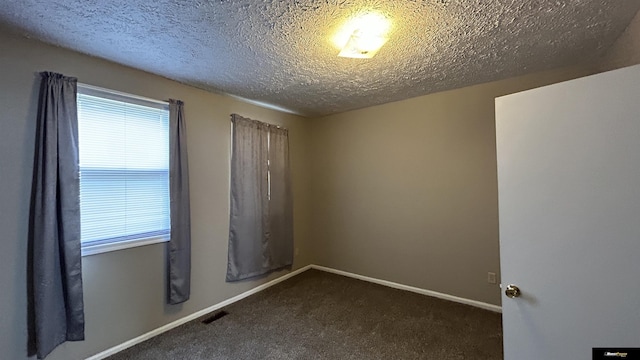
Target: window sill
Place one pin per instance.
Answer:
(121, 245)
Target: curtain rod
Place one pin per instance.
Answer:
(258, 121)
(119, 93)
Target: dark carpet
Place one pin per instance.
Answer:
(317, 315)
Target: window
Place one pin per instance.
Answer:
(124, 170)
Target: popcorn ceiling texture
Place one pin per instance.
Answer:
(281, 53)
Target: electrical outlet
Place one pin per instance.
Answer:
(491, 277)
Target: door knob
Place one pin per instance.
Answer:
(513, 291)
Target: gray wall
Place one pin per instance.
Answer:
(407, 191)
(124, 290)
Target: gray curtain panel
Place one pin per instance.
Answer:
(280, 251)
(179, 284)
(56, 260)
(260, 227)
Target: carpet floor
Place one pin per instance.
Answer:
(318, 315)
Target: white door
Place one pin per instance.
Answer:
(569, 200)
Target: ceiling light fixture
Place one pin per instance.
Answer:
(363, 36)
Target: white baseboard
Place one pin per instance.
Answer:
(394, 285)
(186, 319)
(167, 327)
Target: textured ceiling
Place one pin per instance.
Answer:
(281, 52)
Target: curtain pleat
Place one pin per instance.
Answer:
(179, 284)
(258, 240)
(281, 202)
(56, 261)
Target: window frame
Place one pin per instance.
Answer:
(108, 246)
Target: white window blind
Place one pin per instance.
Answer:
(124, 168)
